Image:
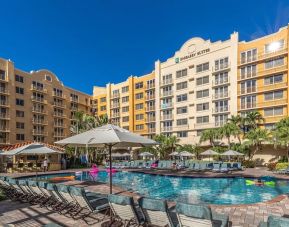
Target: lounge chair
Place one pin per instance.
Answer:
(88, 206)
(156, 212)
(275, 221)
(124, 210)
(190, 215)
(224, 168)
(216, 167)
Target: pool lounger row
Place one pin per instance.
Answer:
(68, 200)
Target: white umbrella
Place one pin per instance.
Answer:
(186, 154)
(232, 153)
(209, 153)
(146, 154)
(109, 136)
(116, 155)
(174, 154)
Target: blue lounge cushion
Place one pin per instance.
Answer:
(195, 211)
(120, 199)
(153, 204)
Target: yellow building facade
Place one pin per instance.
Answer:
(263, 76)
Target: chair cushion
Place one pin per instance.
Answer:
(195, 211)
(274, 221)
(153, 204)
(120, 199)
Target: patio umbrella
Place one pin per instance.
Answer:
(186, 154)
(209, 153)
(126, 154)
(107, 136)
(231, 153)
(174, 154)
(116, 155)
(146, 154)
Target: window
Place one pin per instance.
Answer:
(202, 106)
(139, 106)
(151, 83)
(139, 117)
(222, 63)
(203, 119)
(183, 121)
(19, 79)
(202, 93)
(20, 125)
(19, 90)
(273, 95)
(19, 113)
(139, 127)
(115, 93)
(220, 120)
(221, 106)
(2, 75)
(181, 98)
(19, 102)
(274, 46)
(202, 80)
(103, 99)
(139, 85)
(182, 85)
(48, 78)
(276, 111)
(181, 73)
(125, 89)
(182, 110)
(273, 79)
(125, 119)
(248, 101)
(274, 63)
(102, 108)
(20, 137)
(248, 56)
(125, 109)
(125, 99)
(269, 126)
(202, 67)
(248, 71)
(139, 96)
(182, 134)
(221, 78)
(249, 86)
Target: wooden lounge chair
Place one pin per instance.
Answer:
(190, 215)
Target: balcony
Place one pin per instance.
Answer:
(4, 141)
(248, 90)
(205, 125)
(265, 88)
(115, 96)
(74, 108)
(39, 111)
(167, 129)
(272, 103)
(4, 116)
(115, 105)
(36, 132)
(151, 119)
(150, 97)
(59, 105)
(59, 115)
(167, 105)
(4, 128)
(58, 95)
(4, 103)
(182, 127)
(39, 122)
(38, 89)
(3, 78)
(221, 109)
(220, 123)
(248, 105)
(151, 130)
(4, 91)
(150, 108)
(59, 125)
(59, 135)
(166, 117)
(222, 95)
(220, 82)
(115, 115)
(221, 68)
(72, 99)
(150, 86)
(38, 99)
(166, 94)
(167, 82)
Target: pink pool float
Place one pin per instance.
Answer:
(112, 170)
(94, 169)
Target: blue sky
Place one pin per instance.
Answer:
(92, 42)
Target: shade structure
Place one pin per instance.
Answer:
(126, 154)
(209, 153)
(116, 155)
(232, 153)
(33, 148)
(146, 154)
(107, 136)
(174, 154)
(186, 154)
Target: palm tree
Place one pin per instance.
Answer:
(161, 148)
(102, 120)
(255, 139)
(230, 129)
(239, 121)
(210, 135)
(253, 119)
(280, 135)
(171, 143)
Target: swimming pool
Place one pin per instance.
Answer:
(191, 190)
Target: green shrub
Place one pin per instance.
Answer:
(2, 196)
(249, 163)
(282, 165)
(272, 166)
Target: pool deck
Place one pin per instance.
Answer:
(247, 215)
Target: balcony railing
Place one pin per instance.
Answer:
(222, 67)
(60, 115)
(39, 133)
(166, 117)
(221, 109)
(221, 82)
(150, 108)
(221, 95)
(151, 130)
(4, 128)
(59, 135)
(115, 95)
(167, 105)
(150, 97)
(39, 111)
(58, 104)
(4, 91)
(166, 82)
(3, 78)
(38, 99)
(151, 119)
(150, 86)
(58, 95)
(167, 129)
(74, 108)
(247, 90)
(166, 93)
(4, 103)
(38, 89)
(39, 121)
(59, 125)
(4, 116)
(4, 140)
(116, 115)
(220, 123)
(115, 105)
(73, 99)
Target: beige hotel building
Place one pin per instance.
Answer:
(198, 88)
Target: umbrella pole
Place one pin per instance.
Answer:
(110, 169)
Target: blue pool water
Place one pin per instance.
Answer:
(190, 190)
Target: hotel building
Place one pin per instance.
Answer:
(36, 106)
(263, 76)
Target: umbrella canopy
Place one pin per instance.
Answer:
(186, 154)
(125, 154)
(146, 154)
(209, 153)
(116, 155)
(174, 154)
(232, 153)
(33, 148)
(108, 135)
(105, 135)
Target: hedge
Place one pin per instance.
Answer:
(282, 165)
